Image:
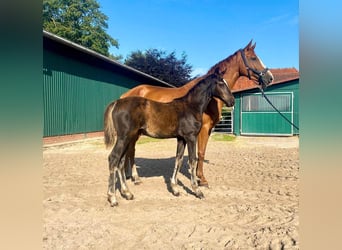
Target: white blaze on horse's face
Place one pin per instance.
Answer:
(263, 65)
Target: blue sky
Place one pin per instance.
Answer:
(207, 31)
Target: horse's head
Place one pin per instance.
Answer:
(221, 88)
(252, 67)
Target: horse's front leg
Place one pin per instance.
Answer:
(179, 162)
(203, 138)
(192, 163)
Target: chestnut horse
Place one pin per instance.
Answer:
(127, 118)
(243, 62)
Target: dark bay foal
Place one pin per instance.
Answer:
(126, 119)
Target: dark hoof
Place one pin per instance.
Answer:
(175, 193)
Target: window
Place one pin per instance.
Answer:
(257, 103)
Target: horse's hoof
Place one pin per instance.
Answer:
(203, 183)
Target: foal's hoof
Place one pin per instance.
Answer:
(128, 196)
(136, 181)
(113, 203)
(174, 189)
(175, 193)
(199, 194)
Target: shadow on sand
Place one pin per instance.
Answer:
(164, 167)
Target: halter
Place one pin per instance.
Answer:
(260, 81)
(255, 71)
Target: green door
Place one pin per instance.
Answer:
(259, 118)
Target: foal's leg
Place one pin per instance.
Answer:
(114, 158)
(122, 176)
(130, 167)
(112, 179)
(111, 187)
(179, 162)
(135, 177)
(192, 162)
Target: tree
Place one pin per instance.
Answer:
(79, 21)
(161, 65)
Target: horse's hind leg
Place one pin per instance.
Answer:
(179, 162)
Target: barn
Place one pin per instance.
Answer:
(78, 83)
(253, 115)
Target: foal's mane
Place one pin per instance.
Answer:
(201, 81)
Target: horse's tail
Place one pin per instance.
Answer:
(109, 129)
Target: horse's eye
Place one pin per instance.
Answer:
(253, 58)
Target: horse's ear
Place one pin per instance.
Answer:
(249, 45)
(253, 46)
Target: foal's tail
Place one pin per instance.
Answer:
(109, 130)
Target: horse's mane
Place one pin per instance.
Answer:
(220, 63)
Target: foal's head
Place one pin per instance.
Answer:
(252, 67)
(221, 88)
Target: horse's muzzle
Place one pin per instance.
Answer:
(266, 80)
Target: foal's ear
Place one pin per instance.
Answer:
(223, 71)
(220, 72)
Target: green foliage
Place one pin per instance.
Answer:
(222, 137)
(146, 139)
(79, 21)
(161, 65)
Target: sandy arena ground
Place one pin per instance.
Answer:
(252, 202)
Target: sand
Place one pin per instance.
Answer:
(252, 201)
